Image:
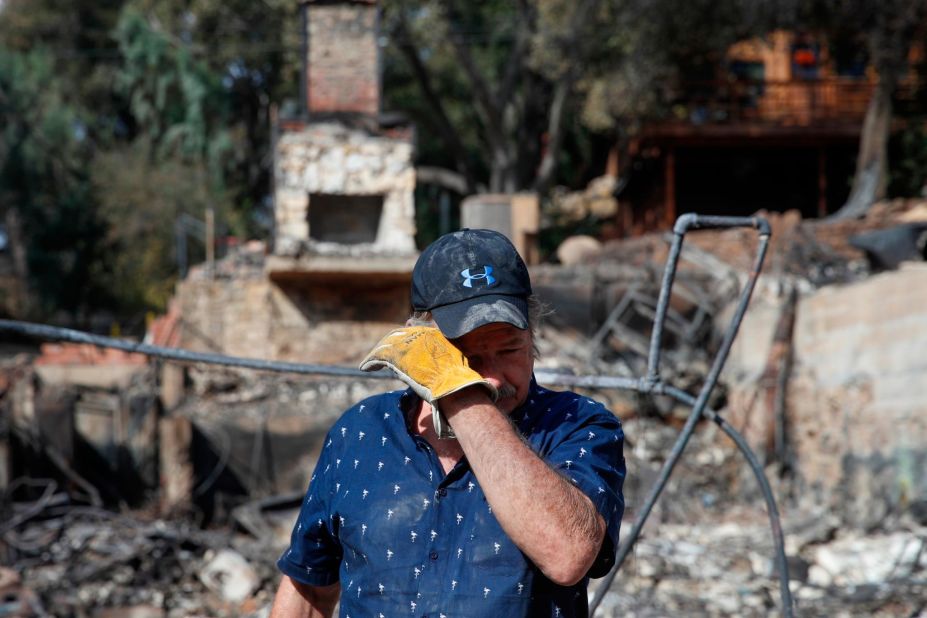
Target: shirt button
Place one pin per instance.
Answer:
(433, 555)
(442, 492)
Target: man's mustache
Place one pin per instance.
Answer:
(507, 390)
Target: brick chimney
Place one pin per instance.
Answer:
(341, 70)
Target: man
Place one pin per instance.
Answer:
(475, 492)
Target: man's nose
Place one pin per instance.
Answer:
(495, 381)
(491, 372)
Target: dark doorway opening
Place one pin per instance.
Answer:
(739, 182)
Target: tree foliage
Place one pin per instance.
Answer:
(45, 194)
(494, 82)
(504, 86)
(142, 201)
(177, 162)
(889, 29)
(253, 49)
(119, 116)
(668, 46)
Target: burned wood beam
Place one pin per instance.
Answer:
(774, 380)
(175, 437)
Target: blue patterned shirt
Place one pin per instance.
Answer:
(404, 539)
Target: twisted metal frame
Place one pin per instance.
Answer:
(653, 383)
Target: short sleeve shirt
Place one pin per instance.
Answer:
(404, 539)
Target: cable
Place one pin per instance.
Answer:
(55, 333)
(771, 510)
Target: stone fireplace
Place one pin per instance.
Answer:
(343, 190)
(338, 273)
(344, 179)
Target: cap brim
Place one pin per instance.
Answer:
(458, 319)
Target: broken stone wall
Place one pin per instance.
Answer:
(225, 316)
(301, 322)
(856, 406)
(858, 402)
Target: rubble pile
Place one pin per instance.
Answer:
(248, 441)
(723, 568)
(72, 560)
(707, 548)
(819, 252)
(235, 394)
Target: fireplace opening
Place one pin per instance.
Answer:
(345, 219)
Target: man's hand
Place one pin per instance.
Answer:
(424, 359)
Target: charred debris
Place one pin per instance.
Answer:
(136, 487)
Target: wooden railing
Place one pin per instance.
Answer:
(783, 103)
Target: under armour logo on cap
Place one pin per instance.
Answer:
(485, 276)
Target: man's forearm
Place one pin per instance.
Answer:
(296, 600)
(553, 522)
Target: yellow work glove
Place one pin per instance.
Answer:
(424, 359)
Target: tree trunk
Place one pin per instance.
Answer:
(445, 178)
(19, 300)
(444, 126)
(871, 178)
(503, 174)
(548, 165)
(894, 25)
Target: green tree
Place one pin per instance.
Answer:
(253, 48)
(177, 102)
(45, 194)
(494, 82)
(190, 85)
(889, 29)
(176, 164)
(141, 200)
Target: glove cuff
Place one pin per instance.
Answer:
(442, 427)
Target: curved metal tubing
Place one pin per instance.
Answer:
(652, 383)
